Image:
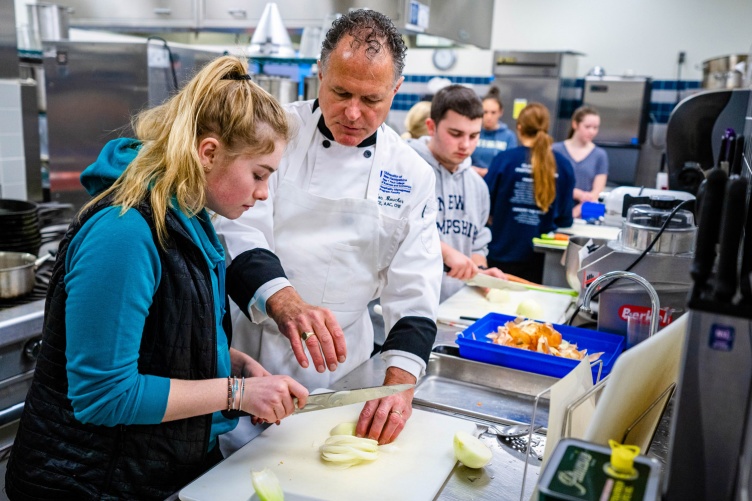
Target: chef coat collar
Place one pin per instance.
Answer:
(369, 141)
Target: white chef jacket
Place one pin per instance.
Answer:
(409, 265)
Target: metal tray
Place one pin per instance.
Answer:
(482, 391)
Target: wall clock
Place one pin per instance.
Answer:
(444, 59)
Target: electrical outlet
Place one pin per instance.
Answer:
(157, 57)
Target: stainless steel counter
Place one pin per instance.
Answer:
(502, 479)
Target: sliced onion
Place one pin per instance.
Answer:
(347, 428)
(344, 451)
(267, 486)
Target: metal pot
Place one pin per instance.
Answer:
(19, 226)
(725, 72)
(283, 89)
(50, 20)
(311, 87)
(17, 273)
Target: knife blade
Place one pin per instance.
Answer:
(331, 399)
(483, 280)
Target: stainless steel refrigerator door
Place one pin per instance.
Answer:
(623, 106)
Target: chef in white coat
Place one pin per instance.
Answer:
(350, 217)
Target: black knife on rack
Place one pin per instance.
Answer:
(709, 217)
(732, 223)
(745, 275)
(737, 157)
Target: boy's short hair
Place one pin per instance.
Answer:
(458, 98)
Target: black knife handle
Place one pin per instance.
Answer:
(736, 161)
(708, 225)
(745, 281)
(724, 148)
(731, 234)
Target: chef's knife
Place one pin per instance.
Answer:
(731, 232)
(483, 280)
(330, 399)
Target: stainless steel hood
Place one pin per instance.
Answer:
(464, 22)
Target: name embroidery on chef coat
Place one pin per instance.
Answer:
(392, 185)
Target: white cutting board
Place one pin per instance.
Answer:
(638, 378)
(470, 302)
(414, 468)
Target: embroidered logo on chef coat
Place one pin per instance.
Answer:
(392, 185)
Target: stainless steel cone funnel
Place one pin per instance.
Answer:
(270, 37)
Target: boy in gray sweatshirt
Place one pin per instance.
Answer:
(462, 195)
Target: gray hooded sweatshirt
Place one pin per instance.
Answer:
(464, 205)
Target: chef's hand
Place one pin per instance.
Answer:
(294, 317)
(270, 398)
(460, 266)
(384, 419)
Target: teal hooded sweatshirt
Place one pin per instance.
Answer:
(112, 273)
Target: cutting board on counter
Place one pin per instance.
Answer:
(415, 467)
(470, 302)
(639, 377)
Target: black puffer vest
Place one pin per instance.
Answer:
(57, 457)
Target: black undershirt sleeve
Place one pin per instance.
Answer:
(414, 335)
(249, 271)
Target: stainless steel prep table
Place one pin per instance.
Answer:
(501, 480)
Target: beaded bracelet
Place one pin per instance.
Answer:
(229, 393)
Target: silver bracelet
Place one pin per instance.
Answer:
(234, 392)
(242, 393)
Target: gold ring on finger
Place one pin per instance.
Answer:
(395, 411)
(305, 335)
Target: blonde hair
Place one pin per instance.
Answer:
(533, 123)
(219, 101)
(415, 120)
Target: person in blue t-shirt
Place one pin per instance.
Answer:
(531, 193)
(590, 162)
(135, 372)
(495, 136)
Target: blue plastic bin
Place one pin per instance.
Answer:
(474, 345)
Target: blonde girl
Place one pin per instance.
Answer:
(136, 375)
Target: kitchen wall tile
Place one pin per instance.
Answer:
(11, 145)
(14, 191)
(10, 121)
(10, 94)
(662, 100)
(14, 171)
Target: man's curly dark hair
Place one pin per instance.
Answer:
(370, 28)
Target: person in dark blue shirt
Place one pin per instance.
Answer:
(531, 193)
